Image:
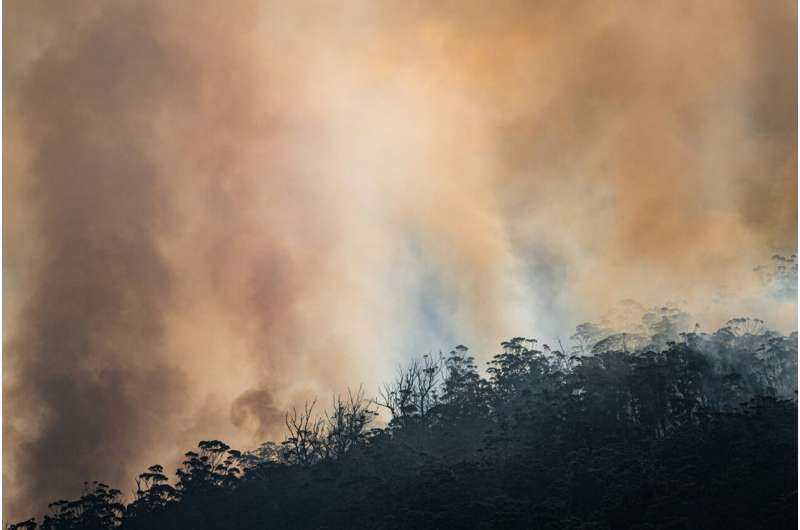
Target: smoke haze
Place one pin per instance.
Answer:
(215, 211)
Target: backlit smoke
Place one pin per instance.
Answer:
(215, 211)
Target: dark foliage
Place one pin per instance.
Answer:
(698, 433)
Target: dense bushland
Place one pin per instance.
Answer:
(653, 430)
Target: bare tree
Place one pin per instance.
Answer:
(415, 390)
(305, 443)
(347, 423)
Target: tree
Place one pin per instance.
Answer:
(99, 508)
(305, 444)
(586, 336)
(347, 423)
(214, 466)
(415, 391)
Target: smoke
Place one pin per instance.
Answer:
(256, 409)
(215, 212)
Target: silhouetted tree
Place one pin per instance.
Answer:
(677, 429)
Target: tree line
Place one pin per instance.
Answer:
(656, 430)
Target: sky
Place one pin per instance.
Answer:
(214, 211)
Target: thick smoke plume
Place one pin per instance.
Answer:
(216, 210)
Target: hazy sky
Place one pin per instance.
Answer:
(214, 210)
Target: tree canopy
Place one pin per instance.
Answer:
(671, 430)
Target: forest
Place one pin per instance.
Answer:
(659, 429)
